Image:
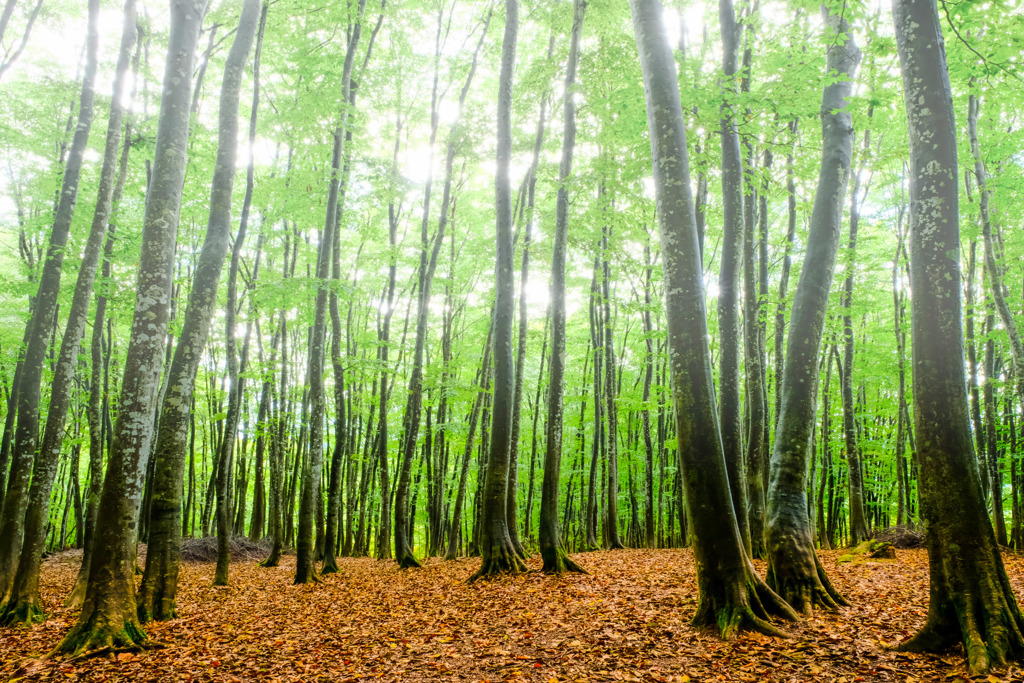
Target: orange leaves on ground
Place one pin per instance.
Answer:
(626, 621)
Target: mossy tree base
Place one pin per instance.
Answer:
(731, 607)
(500, 561)
(100, 634)
(156, 609)
(796, 575)
(979, 612)
(273, 560)
(557, 562)
(76, 598)
(330, 566)
(408, 561)
(22, 612)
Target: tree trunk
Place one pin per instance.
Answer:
(732, 596)
(25, 604)
(498, 556)
(794, 570)
(108, 617)
(551, 550)
(971, 600)
(729, 331)
(41, 323)
(157, 595)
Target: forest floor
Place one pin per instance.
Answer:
(627, 620)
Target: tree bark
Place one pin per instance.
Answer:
(794, 570)
(108, 617)
(732, 596)
(552, 551)
(498, 555)
(729, 331)
(41, 324)
(971, 600)
(25, 604)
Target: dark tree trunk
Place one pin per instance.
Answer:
(794, 570)
(732, 596)
(42, 321)
(25, 604)
(551, 550)
(428, 264)
(497, 553)
(729, 331)
(971, 600)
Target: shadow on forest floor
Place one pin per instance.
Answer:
(627, 620)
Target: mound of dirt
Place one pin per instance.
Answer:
(901, 537)
(205, 549)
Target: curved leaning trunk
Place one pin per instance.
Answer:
(24, 604)
(108, 617)
(793, 567)
(732, 596)
(39, 329)
(550, 534)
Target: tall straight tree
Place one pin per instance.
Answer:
(732, 596)
(971, 600)
(551, 551)
(425, 277)
(108, 617)
(729, 331)
(158, 594)
(40, 327)
(24, 604)
(794, 570)
(305, 570)
(497, 553)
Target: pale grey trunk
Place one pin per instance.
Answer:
(108, 616)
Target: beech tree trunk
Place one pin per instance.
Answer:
(552, 551)
(40, 329)
(25, 604)
(498, 555)
(971, 600)
(732, 596)
(794, 570)
(108, 617)
(729, 331)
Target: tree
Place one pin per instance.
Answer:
(729, 331)
(24, 604)
(108, 617)
(970, 598)
(497, 553)
(794, 570)
(732, 596)
(40, 327)
(551, 551)
(157, 598)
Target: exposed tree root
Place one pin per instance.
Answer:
(76, 598)
(100, 634)
(22, 612)
(986, 620)
(804, 586)
(273, 560)
(742, 606)
(407, 560)
(311, 577)
(502, 560)
(557, 562)
(329, 567)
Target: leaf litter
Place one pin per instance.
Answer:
(626, 621)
